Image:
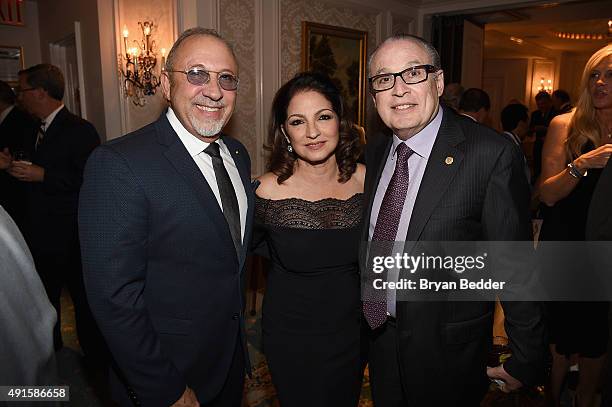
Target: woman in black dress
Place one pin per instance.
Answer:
(577, 146)
(308, 213)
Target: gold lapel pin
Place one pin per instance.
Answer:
(236, 152)
(449, 160)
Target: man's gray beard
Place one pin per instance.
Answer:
(206, 130)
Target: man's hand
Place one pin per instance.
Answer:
(509, 382)
(27, 172)
(5, 159)
(187, 399)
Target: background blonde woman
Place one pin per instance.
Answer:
(577, 147)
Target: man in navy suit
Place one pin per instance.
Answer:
(52, 178)
(441, 177)
(165, 220)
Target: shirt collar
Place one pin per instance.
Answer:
(516, 138)
(193, 144)
(467, 115)
(49, 119)
(6, 112)
(422, 142)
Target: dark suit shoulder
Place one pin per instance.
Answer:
(135, 141)
(481, 135)
(72, 124)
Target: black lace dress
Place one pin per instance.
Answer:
(311, 309)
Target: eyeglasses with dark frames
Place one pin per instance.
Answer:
(198, 77)
(410, 76)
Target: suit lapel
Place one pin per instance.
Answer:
(184, 164)
(442, 166)
(244, 170)
(56, 124)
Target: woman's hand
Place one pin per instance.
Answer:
(597, 158)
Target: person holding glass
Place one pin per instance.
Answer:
(578, 145)
(308, 214)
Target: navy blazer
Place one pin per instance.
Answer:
(51, 208)
(163, 278)
(481, 195)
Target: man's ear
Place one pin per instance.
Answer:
(440, 82)
(373, 99)
(165, 84)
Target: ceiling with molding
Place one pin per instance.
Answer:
(537, 26)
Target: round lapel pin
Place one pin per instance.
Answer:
(449, 160)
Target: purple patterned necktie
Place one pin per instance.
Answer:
(375, 309)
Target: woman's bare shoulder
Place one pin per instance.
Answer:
(360, 173)
(268, 185)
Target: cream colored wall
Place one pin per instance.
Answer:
(237, 25)
(504, 80)
(26, 36)
(56, 23)
(572, 65)
(161, 13)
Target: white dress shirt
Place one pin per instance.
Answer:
(49, 119)
(196, 147)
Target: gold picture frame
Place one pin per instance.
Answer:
(341, 54)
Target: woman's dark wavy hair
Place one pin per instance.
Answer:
(280, 160)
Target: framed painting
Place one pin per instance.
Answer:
(11, 62)
(339, 53)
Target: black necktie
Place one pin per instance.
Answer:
(40, 135)
(228, 195)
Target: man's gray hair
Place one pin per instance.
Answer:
(195, 31)
(433, 53)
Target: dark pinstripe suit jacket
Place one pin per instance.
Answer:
(481, 196)
(162, 275)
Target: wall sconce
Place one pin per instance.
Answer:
(545, 85)
(140, 60)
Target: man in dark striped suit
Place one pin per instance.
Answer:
(440, 178)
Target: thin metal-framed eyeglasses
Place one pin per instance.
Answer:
(19, 90)
(410, 76)
(198, 77)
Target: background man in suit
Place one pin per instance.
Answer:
(165, 219)
(561, 101)
(475, 104)
(445, 178)
(17, 134)
(54, 177)
(515, 125)
(538, 124)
